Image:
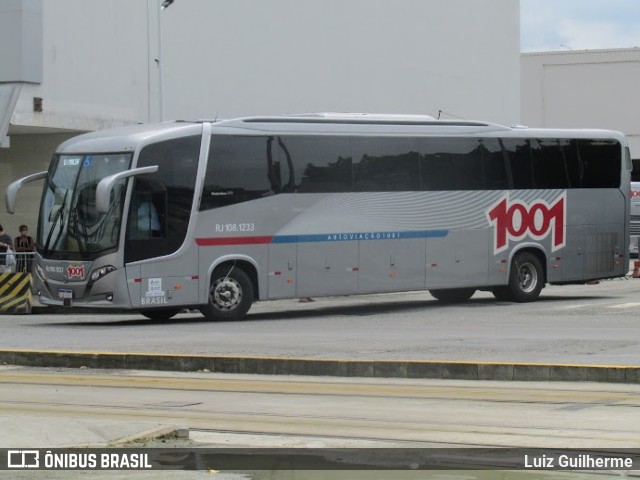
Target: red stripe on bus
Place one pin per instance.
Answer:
(211, 242)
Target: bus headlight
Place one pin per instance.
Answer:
(101, 272)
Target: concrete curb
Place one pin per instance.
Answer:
(325, 367)
(170, 431)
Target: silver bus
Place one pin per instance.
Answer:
(217, 215)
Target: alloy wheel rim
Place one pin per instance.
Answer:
(226, 294)
(528, 277)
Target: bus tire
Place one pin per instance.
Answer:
(526, 278)
(230, 295)
(453, 295)
(160, 313)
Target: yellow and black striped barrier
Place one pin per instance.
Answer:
(15, 293)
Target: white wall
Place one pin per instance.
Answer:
(95, 66)
(248, 57)
(583, 89)
(21, 40)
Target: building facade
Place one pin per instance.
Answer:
(72, 65)
(583, 89)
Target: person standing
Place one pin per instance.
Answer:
(5, 243)
(23, 246)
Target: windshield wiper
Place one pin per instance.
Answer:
(80, 236)
(59, 215)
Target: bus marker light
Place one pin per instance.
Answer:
(289, 280)
(137, 280)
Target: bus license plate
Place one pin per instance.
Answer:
(63, 294)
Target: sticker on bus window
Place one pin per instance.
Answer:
(154, 288)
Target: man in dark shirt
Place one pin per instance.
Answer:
(24, 246)
(5, 242)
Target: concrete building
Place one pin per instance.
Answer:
(583, 89)
(76, 65)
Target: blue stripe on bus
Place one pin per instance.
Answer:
(350, 237)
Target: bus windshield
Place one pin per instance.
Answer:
(69, 224)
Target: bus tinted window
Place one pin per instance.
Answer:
(385, 164)
(164, 198)
(237, 171)
(316, 163)
(495, 173)
(451, 164)
(547, 164)
(563, 163)
(601, 163)
(635, 173)
(243, 168)
(520, 162)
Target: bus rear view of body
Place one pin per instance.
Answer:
(217, 215)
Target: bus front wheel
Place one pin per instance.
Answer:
(230, 294)
(453, 295)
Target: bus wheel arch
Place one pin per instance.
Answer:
(527, 276)
(232, 288)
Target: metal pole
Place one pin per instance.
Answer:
(160, 65)
(164, 4)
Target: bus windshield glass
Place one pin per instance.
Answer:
(69, 223)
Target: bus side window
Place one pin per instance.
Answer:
(160, 227)
(451, 164)
(385, 164)
(495, 171)
(319, 164)
(148, 215)
(601, 162)
(518, 153)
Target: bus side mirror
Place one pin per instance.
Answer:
(103, 191)
(12, 190)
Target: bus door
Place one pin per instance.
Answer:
(157, 224)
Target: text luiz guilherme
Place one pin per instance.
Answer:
(583, 461)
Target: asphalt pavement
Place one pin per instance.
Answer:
(574, 333)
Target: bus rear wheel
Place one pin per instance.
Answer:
(230, 295)
(526, 278)
(160, 313)
(453, 295)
